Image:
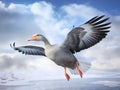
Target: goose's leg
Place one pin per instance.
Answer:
(78, 70)
(66, 75)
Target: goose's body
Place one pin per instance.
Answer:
(60, 56)
(79, 38)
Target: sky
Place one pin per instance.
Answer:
(20, 19)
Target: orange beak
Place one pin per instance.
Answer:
(33, 38)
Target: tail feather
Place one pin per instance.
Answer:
(83, 66)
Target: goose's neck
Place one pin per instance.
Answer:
(45, 40)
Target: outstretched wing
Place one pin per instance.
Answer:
(87, 35)
(29, 50)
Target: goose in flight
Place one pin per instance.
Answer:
(79, 38)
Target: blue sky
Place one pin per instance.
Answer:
(110, 6)
(19, 20)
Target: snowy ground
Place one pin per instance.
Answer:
(62, 84)
(26, 77)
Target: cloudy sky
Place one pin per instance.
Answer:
(19, 20)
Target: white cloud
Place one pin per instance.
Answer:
(18, 8)
(14, 62)
(107, 59)
(108, 83)
(2, 5)
(102, 74)
(10, 62)
(81, 11)
(43, 9)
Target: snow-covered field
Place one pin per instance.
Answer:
(37, 80)
(24, 77)
(62, 84)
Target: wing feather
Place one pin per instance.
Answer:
(29, 50)
(87, 35)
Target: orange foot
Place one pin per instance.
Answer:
(67, 76)
(80, 73)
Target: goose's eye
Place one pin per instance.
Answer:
(37, 35)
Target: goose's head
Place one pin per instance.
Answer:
(36, 37)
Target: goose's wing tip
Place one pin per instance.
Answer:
(12, 45)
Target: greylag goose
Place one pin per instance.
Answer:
(79, 38)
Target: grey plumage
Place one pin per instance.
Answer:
(29, 50)
(87, 35)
